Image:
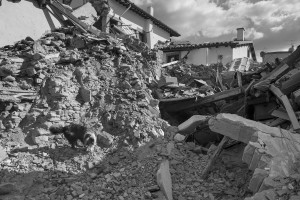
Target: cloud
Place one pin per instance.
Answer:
(252, 34)
(277, 28)
(272, 24)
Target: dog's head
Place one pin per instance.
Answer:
(89, 140)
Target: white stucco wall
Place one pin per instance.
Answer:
(270, 57)
(240, 52)
(139, 23)
(129, 18)
(159, 34)
(196, 56)
(214, 52)
(22, 19)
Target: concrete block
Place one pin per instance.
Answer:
(255, 159)
(257, 179)
(241, 129)
(189, 125)
(270, 183)
(164, 180)
(86, 94)
(264, 161)
(179, 138)
(248, 154)
(167, 80)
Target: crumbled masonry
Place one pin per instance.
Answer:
(173, 131)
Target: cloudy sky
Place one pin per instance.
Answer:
(273, 25)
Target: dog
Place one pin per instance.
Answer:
(75, 132)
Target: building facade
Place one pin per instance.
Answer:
(270, 57)
(211, 52)
(126, 17)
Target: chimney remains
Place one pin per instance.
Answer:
(150, 10)
(240, 34)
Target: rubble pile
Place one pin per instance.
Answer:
(185, 80)
(106, 83)
(77, 76)
(268, 98)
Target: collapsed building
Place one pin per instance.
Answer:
(171, 131)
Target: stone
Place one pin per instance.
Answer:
(3, 154)
(30, 71)
(257, 179)
(7, 188)
(294, 197)
(170, 147)
(41, 131)
(59, 35)
(104, 139)
(86, 94)
(167, 80)
(9, 79)
(164, 180)
(190, 125)
(154, 102)
(248, 154)
(179, 138)
(255, 159)
(270, 183)
(41, 140)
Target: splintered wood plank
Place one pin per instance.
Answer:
(178, 104)
(285, 101)
(214, 157)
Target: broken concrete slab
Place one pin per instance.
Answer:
(190, 125)
(257, 179)
(164, 180)
(268, 147)
(241, 129)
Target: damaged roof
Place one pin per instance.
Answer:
(146, 15)
(187, 46)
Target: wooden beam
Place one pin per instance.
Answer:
(84, 27)
(285, 65)
(179, 104)
(214, 157)
(285, 101)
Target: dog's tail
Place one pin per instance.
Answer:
(57, 129)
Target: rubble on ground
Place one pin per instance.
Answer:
(116, 86)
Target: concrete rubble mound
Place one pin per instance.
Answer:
(171, 131)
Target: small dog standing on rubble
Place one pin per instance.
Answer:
(74, 132)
